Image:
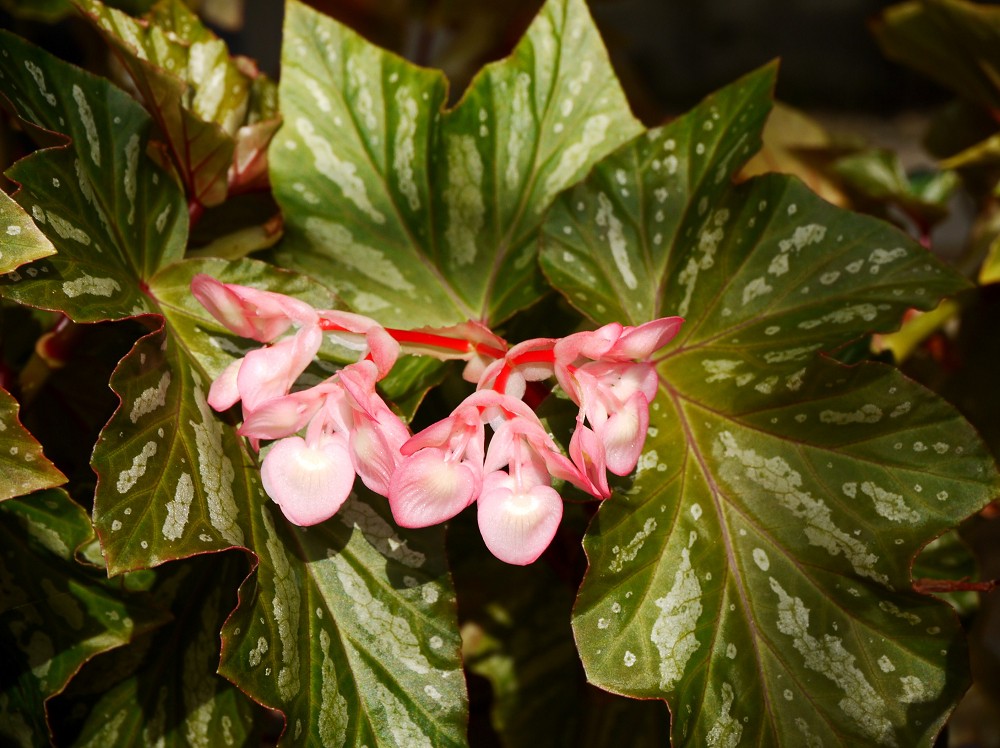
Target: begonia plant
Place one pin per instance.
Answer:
(406, 419)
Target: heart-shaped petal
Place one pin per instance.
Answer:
(517, 525)
(309, 483)
(427, 489)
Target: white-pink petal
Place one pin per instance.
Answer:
(224, 393)
(624, 434)
(425, 489)
(309, 483)
(640, 343)
(517, 525)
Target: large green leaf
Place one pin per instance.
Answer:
(424, 216)
(23, 467)
(176, 480)
(163, 688)
(757, 572)
(112, 216)
(207, 106)
(55, 612)
(20, 239)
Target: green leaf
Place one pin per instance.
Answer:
(164, 687)
(951, 41)
(350, 630)
(20, 239)
(55, 612)
(112, 216)
(23, 467)
(199, 96)
(424, 216)
(175, 480)
(756, 574)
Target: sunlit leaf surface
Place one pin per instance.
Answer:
(23, 467)
(756, 574)
(425, 216)
(112, 216)
(20, 239)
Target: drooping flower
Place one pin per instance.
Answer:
(609, 374)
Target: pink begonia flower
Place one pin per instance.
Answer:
(248, 312)
(309, 482)
(613, 388)
(441, 472)
(270, 372)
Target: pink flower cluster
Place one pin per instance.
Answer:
(431, 476)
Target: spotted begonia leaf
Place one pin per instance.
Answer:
(176, 480)
(20, 239)
(215, 113)
(756, 574)
(163, 689)
(421, 215)
(349, 628)
(112, 216)
(23, 467)
(55, 612)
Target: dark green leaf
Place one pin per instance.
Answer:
(349, 628)
(163, 688)
(112, 216)
(424, 216)
(23, 467)
(55, 612)
(757, 572)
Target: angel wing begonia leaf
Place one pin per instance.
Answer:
(204, 102)
(163, 688)
(113, 217)
(428, 216)
(23, 467)
(55, 612)
(756, 574)
(20, 240)
(351, 631)
(176, 480)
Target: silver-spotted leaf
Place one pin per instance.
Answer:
(421, 215)
(163, 688)
(349, 629)
(20, 239)
(176, 480)
(199, 96)
(55, 612)
(113, 217)
(756, 573)
(23, 467)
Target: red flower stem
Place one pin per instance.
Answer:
(418, 337)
